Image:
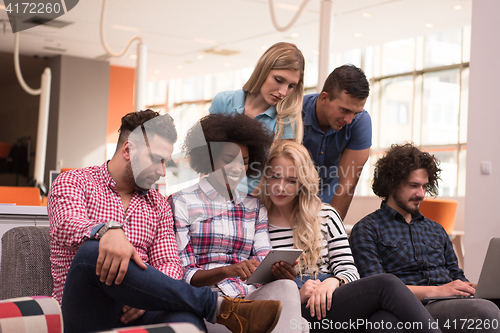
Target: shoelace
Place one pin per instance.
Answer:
(234, 305)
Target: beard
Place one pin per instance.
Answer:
(407, 206)
(129, 178)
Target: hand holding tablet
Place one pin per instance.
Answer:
(263, 273)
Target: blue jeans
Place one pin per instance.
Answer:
(300, 281)
(91, 305)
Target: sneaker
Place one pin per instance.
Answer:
(245, 316)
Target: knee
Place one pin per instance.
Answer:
(282, 289)
(286, 286)
(484, 309)
(388, 281)
(87, 252)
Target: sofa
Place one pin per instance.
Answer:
(26, 286)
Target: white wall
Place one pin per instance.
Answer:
(483, 137)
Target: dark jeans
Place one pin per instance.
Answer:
(362, 305)
(90, 305)
(465, 315)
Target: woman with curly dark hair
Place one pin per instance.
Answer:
(222, 234)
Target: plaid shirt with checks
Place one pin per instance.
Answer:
(212, 232)
(419, 253)
(80, 200)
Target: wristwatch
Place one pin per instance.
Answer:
(109, 225)
(341, 280)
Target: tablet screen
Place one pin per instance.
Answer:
(263, 273)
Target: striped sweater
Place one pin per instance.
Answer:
(335, 257)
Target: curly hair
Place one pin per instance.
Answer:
(305, 219)
(395, 167)
(163, 126)
(233, 127)
(284, 56)
(349, 78)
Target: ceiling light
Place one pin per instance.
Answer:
(205, 41)
(429, 25)
(55, 49)
(227, 64)
(122, 27)
(294, 35)
(179, 66)
(221, 51)
(358, 34)
(133, 56)
(157, 71)
(367, 15)
(315, 52)
(457, 7)
(200, 57)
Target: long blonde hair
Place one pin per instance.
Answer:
(305, 220)
(282, 56)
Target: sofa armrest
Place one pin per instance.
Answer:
(30, 315)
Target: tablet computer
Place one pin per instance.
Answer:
(263, 273)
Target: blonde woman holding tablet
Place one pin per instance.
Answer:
(326, 274)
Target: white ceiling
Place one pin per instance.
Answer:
(177, 32)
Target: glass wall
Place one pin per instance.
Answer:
(419, 90)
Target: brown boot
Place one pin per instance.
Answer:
(245, 316)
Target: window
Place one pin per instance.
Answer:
(396, 104)
(443, 49)
(398, 56)
(441, 102)
(419, 94)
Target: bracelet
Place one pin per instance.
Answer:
(341, 281)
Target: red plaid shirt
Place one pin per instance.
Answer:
(82, 199)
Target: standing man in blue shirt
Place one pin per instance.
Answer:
(338, 134)
(399, 240)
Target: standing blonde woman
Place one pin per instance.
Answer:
(273, 95)
(326, 274)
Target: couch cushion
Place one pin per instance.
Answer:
(30, 315)
(25, 264)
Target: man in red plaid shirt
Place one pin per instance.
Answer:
(113, 249)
